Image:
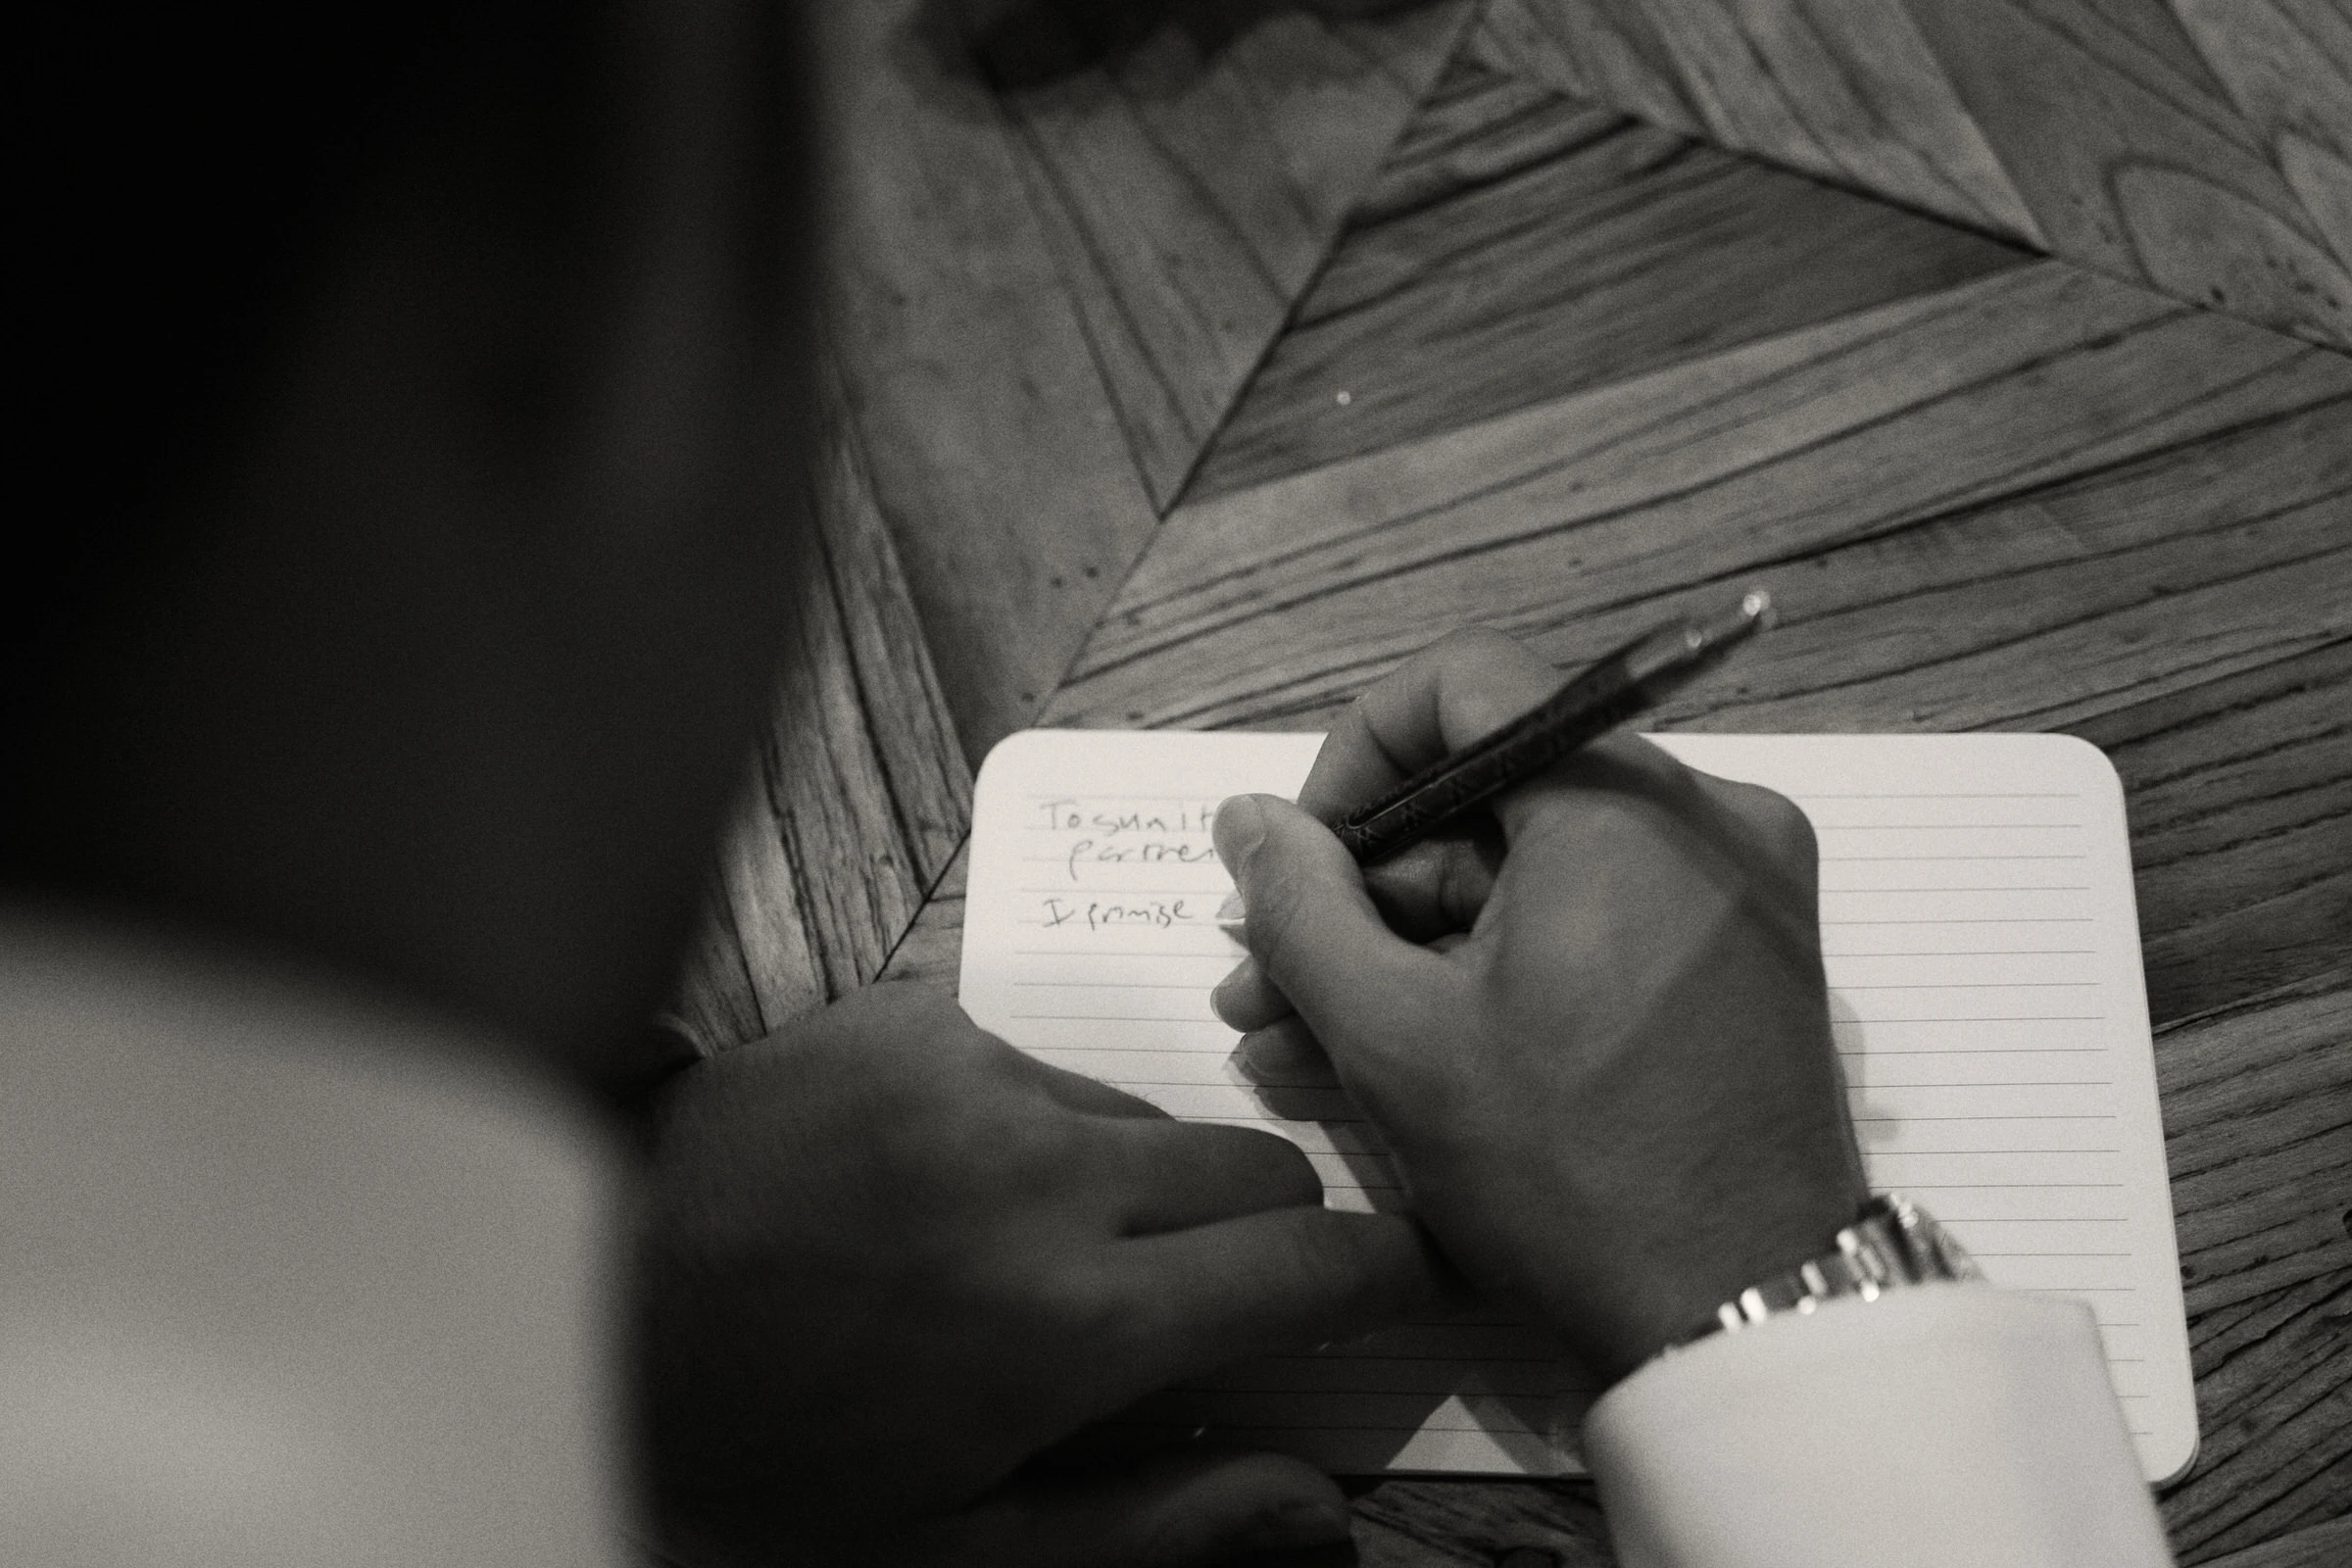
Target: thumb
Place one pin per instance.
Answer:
(1172, 1510)
(1309, 923)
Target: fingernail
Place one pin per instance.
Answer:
(1218, 992)
(1233, 911)
(1275, 1052)
(1297, 1523)
(1240, 828)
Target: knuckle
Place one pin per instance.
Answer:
(1765, 818)
(1787, 832)
(1472, 643)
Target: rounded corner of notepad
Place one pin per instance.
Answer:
(1008, 751)
(2088, 755)
(2163, 1471)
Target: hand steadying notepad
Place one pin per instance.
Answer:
(1982, 952)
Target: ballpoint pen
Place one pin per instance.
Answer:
(1636, 677)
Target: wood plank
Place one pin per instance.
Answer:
(931, 953)
(2321, 1545)
(2134, 160)
(2276, 1445)
(1520, 246)
(994, 457)
(859, 795)
(1524, 1524)
(2249, 1362)
(2240, 791)
(1583, 520)
(1847, 90)
(1592, 50)
(2287, 65)
(1191, 184)
(2091, 127)
(2258, 1135)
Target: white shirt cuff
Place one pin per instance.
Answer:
(1948, 1424)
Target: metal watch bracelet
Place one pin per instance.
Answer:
(1891, 1242)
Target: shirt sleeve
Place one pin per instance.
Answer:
(290, 1276)
(1947, 1424)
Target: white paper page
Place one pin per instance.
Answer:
(1983, 961)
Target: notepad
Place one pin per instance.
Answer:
(1982, 951)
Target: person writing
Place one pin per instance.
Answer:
(1597, 1037)
(429, 390)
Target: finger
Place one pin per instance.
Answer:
(1172, 1174)
(1440, 700)
(1195, 1299)
(1777, 825)
(1246, 999)
(1172, 1510)
(1285, 1054)
(1313, 929)
(1292, 1076)
(1077, 1092)
(1439, 885)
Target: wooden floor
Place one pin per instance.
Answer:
(1194, 377)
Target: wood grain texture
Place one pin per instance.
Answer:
(1520, 245)
(2146, 172)
(1844, 89)
(2240, 792)
(2323, 1546)
(1922, 485)
(859, 797)
(1524, 1524)
(931, 953)
(2287, 65)
(994, 457)
(1191, 184)
(2096, 131)
(2258, 1116)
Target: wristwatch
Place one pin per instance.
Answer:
(1892, 1243)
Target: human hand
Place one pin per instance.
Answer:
(886, 1258)
(1608, 1080)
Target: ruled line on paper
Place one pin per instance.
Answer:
(1945, 920)
(1802, 795)
(1114, 984)
(2040, 858)
(1233, 954)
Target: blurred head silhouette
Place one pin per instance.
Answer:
(414, 455)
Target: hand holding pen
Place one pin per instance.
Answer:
(1620, 1047)
(1468, 772)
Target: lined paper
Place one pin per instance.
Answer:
(1982, 952)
